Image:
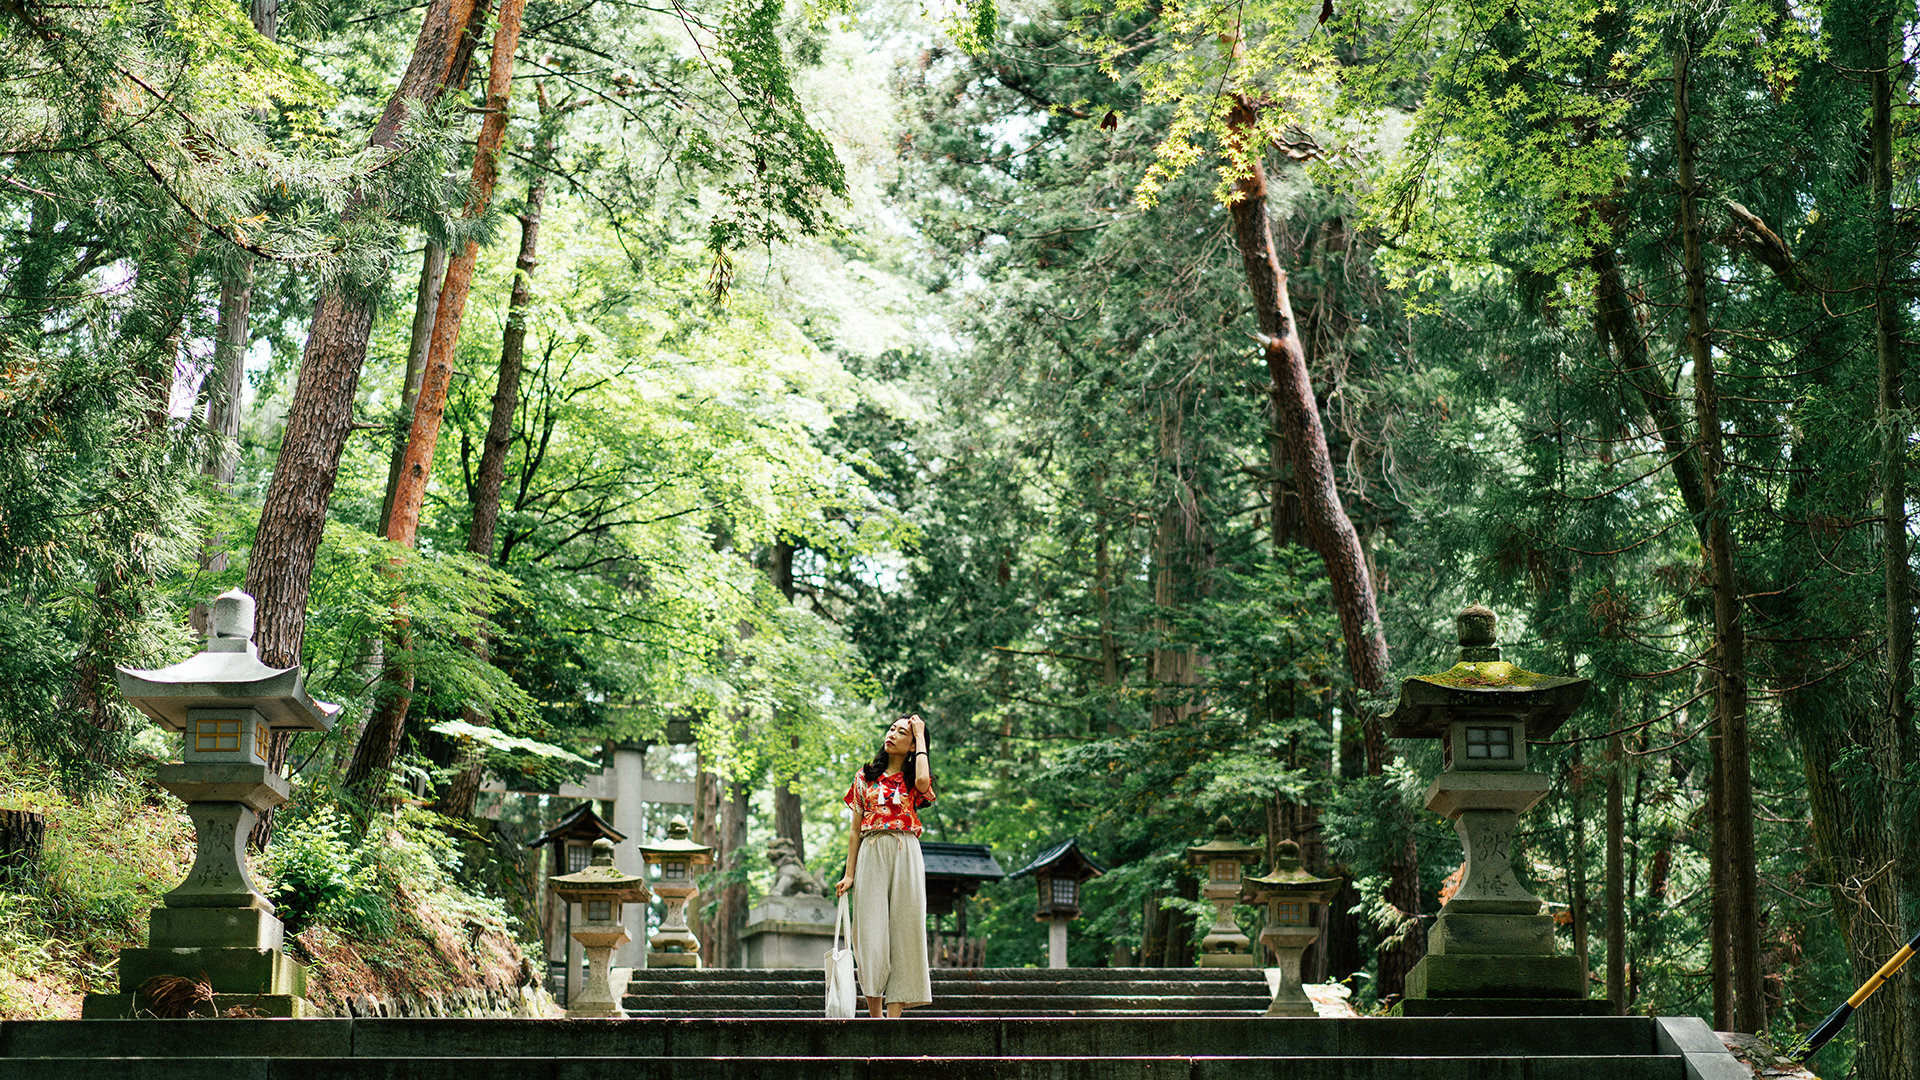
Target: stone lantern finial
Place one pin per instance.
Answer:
(1477, 644)
(232, 623)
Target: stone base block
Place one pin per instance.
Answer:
(1503, 1007)
(1491, 935)
(673, 959)
(217, 928)
(230, 971)
(772, 944)
(1226, 960)
(127, 1007)
(1453, 976)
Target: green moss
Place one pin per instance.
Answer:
(1487, 675)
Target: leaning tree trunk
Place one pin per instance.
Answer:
(1329, 530)
(1739, 912)
(459, 797)
(293, 515)
(380, 743)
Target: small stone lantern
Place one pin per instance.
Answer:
(1492, 951)
(1288, 893)
(600, 889)
(1057, 873)
(217, 923)
(1222, 862)
(673, 860)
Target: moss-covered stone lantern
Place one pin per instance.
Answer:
(673, 861)
(217, 924)
(1491, 951)
(1288, 892)
(1222, 862)
(600, 890)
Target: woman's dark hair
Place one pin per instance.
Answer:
(909, 771)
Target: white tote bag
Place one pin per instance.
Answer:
(839, 965)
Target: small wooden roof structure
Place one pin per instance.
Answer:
(1064, 859)
(579, 823)
(955, 871)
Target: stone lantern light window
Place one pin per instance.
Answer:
(673, 871)
(599, 911)
(1290, 913)
(1226, 871)
(579, 857)
(1489, 742)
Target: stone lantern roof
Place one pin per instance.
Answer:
(602, 880)
(227, 675)
(1223, 846)
(1288, 877)
(1483, 686)
(676, 845)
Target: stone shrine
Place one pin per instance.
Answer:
(1492, 950)
(217, 925)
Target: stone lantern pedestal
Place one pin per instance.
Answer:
(1492, 950)
(1288, 892)
(217, 925)
(600, 890)
(674, 858)
(1222, 862)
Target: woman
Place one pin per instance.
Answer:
(886, 873)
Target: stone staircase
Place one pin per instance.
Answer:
(1139, 1048)
(797, 993)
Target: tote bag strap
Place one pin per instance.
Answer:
(840, 920)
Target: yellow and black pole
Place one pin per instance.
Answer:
(1838, 1018)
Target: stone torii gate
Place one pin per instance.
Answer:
(624, 790)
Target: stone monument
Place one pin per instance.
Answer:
(793, 926)
(600, 890)
(217, 925)
(1492, 951)
(1288, 892)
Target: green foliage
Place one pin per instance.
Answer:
(320, 874)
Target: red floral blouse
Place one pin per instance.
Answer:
(887, 804)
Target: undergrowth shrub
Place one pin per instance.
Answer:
(320, 874)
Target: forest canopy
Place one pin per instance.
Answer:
(1137, 391)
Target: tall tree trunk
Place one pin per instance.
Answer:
(1175, 668)
(1329, 530)
(380, 743)
(1894, 739)
(1579, 911)
(1733, 840)
(789, 822)
(1616, 874)
(426, 305)
(460, 794)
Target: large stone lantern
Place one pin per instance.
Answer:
(1222, 862)
(673, 860)
(599, 889)
(1288, 892)
(1492, 950)
(217, 923)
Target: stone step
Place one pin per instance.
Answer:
(954, 1005)
(1196, 974)
(1624, 1036)
(1639, 1067)
(815, 980)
